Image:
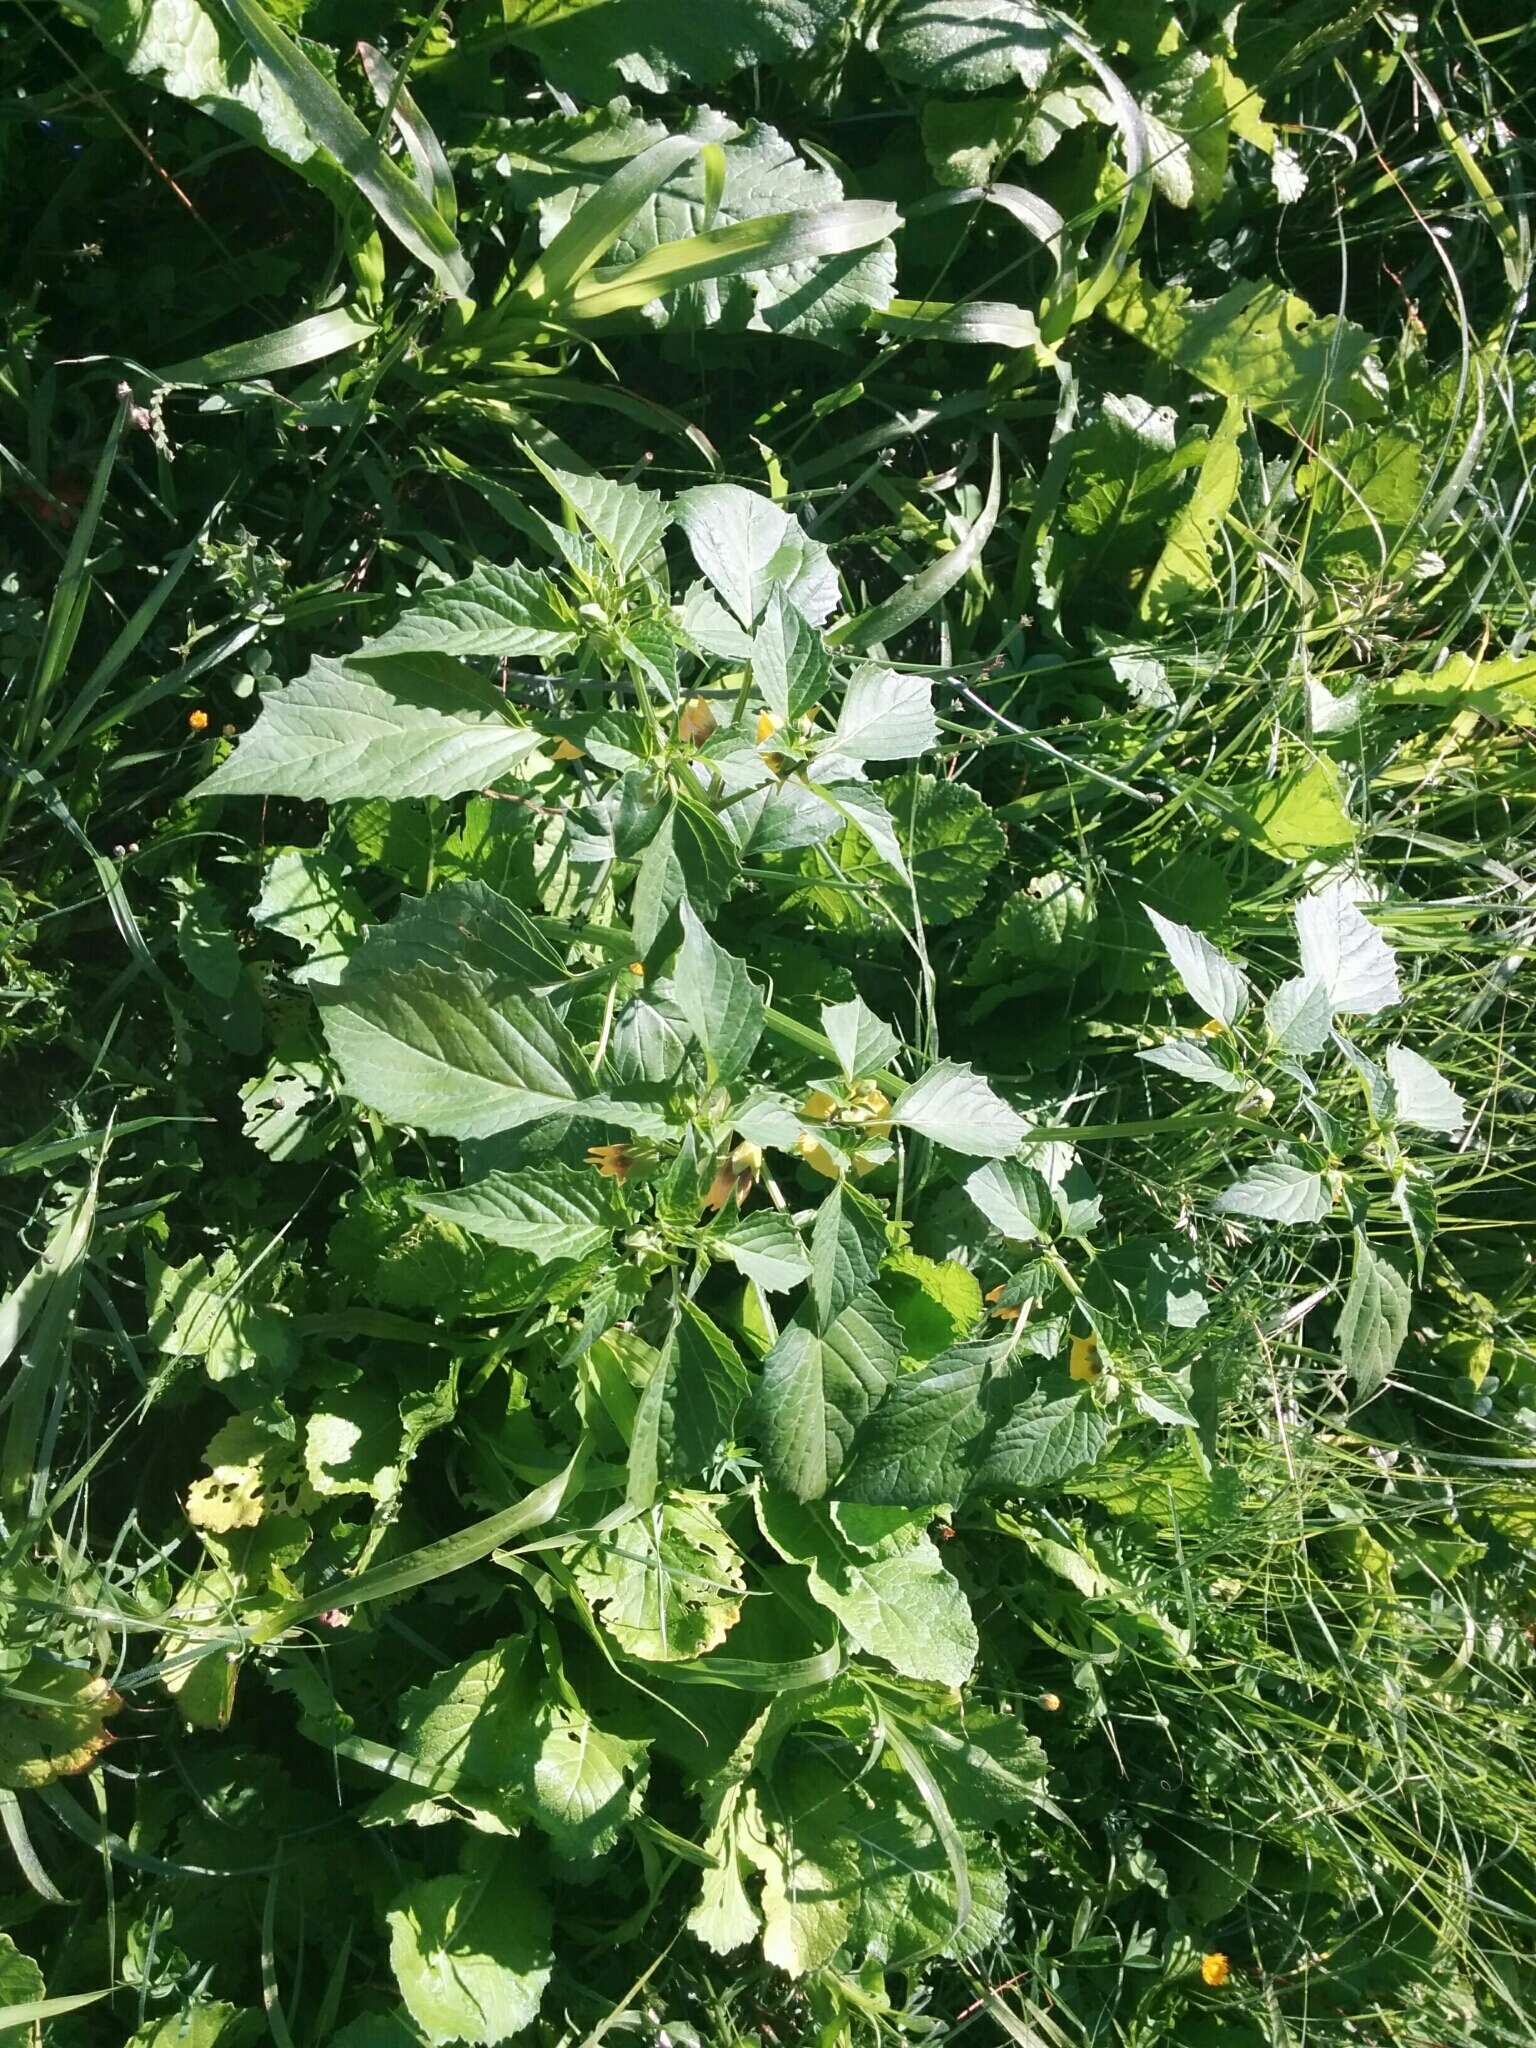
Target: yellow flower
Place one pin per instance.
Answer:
(817, 1157)
(1215, 1969)
(1004, 1314)
(612, 1161)
(818, 1104)
(636, 967)
(1212, 1028)
(695, 722)
(564, 751)
(1084, 1363)
(198, 719)
(1051, 1701)
(735, 1177)
(767, 726)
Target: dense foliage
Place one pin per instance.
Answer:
(766, 885)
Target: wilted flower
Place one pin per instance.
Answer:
(736, 1177)
(613, 1162)
(696, 722)
(1005, 1312)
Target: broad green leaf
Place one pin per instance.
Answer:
(747, 546)
(953, 1107)
(626, 522)
(493, 611)
(667, 1584)
(1299, 1016)
(692, 856)
(462, 927)
(1425, 1098)
(864, 1043)
(1278, 1191)
(1217, 986)
(1192, 1060)
(936, 1303)
(789, 662)
(817, 1386)
(52, 1721)
(1183, 572)
(423, 726)
(766, 1247)
(286, 348)
(1374, 1319)
(210, 2025)
(192, 49)
(969, 1422)
(449, 1054)
(353, 1444)
(892, 1595)
(21, 1985)
(404, 209)
(595, 49)
(1144, 1286)
(968, 45)
(989, 1767)
(551, 1212)
(471, 1953)
(1343, 951)
(1501, 686)
(687, 1408)
(1304, 813)
(1015, 1198)
(306, 898)
(847, 1246)
(1258, 343)
(714, 991)
(884, 717)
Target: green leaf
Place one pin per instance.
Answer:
(919, 596)
(882, 1576)
(193, 50)
(1299, 1016)
(687, 1408)
(789, 662)
(1278, 1192)
(423, 726)
(1016, 1200)
(952, 840)
(1374, 1319)
(714, 991)
(667, 1584)
(1258, 343)
(448, 1053)
(1220, 988)
(306, 898)
(692, 856)
(747, 546)
(936, 1304)
(953, 1107)
(1343, 951)
(286, 348)
(864, 1043)
(594, 50)
(817, 1386)
(551, 1212)
(1192, 1060)
(766, 1247)
(398, 201)
(1501, 686)
(884, 717)
(626, 522)
(353, 1443)
(1425, 1098)
(969, 1422)
(847, 1246)
(472, 1954)
(1183, 573)
(492, 611)
(968, 45)
(1304, 813)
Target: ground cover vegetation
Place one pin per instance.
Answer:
(766, 809)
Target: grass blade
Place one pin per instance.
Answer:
(940, 577)
(285, 348)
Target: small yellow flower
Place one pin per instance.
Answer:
(767, 726)
(817, 1157)
(636, 967)
(1051, 1701)
(819, 1104)
(1005, 1313)
(736, 1177)
(1215, 1969)
(1213, 1028)
(198, 719)
(613, 1162)
(1084, 1363)
(564, 751)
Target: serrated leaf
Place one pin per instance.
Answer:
(1192, 1061)
(686, 1408)
(423, 726)
(1217, 986)
(626, 522)
(1425, 1098)
(892, 1595)
(956, 1108)
(667, 1584)
(448, 1053)
(766, 1247)
(692, 856)
(1304, 813)
(1299, 1016)
(847, 1245)
(1278, 1192)
(817, 1386)
(884, 717)
(972, 1421)
(1374, 1319)
(714, 991)
(1016, 1200)
(747, 546)
(1343, 951)
(594, 51)
(864, 1043)
(492, 611)
(551, 1212)
(789, 662)
(472, 1954)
